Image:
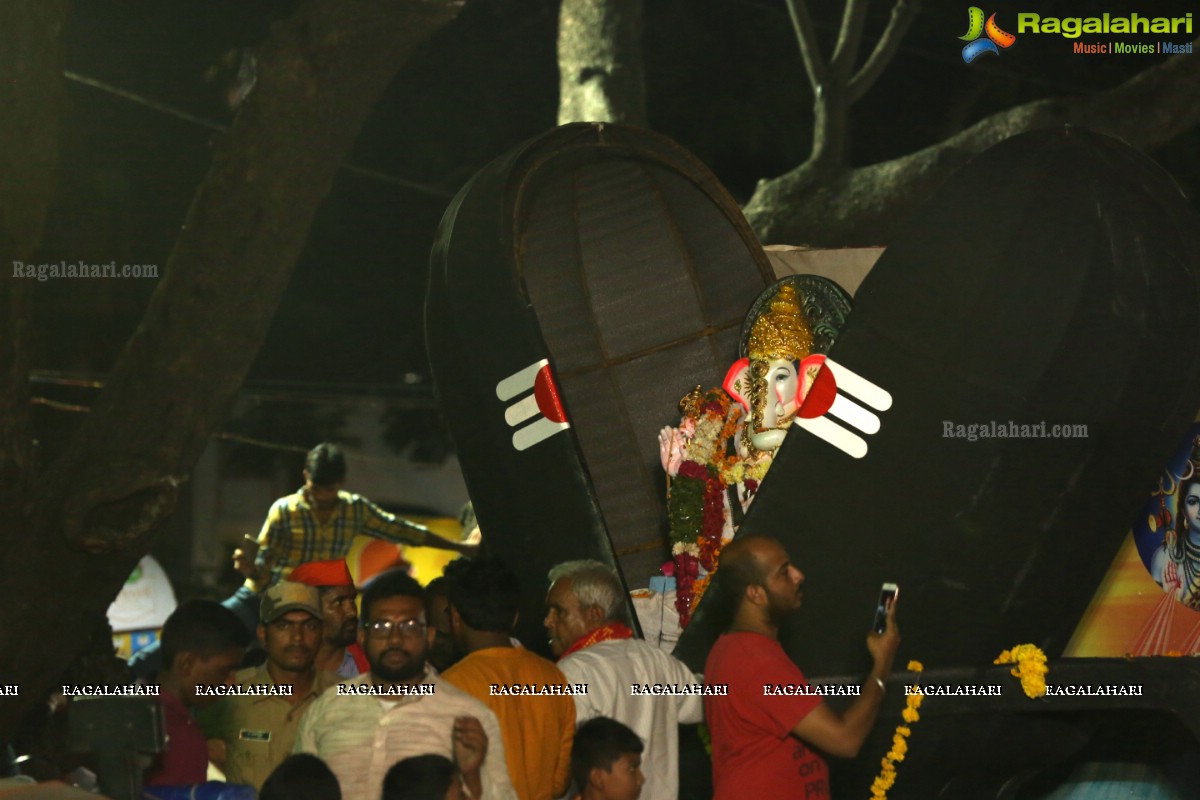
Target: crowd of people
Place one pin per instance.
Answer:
(421, 692)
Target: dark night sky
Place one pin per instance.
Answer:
(724, 78)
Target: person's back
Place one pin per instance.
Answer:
(537, 729)
(537, 720)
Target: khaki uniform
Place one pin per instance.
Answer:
(258, 731)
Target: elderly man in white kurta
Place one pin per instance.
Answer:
(584, 606)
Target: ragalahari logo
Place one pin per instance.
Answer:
(977, 43)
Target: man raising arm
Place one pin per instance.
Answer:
(761, 741)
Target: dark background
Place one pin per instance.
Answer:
(723, 78)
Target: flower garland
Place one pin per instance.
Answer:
(887, 773)
(696, 493)
(1031, 667)
(699, 471)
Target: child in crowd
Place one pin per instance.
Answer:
(606, 761)
(301, 776)
(423, 778)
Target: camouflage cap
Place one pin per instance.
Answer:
(288, 596)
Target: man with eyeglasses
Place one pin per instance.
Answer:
(250, 735)
(401, 707)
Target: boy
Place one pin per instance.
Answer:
(606, 761)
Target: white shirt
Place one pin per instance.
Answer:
(360, 737)
(610, 669)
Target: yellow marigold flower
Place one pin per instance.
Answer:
(887, 773)
(1030, 667)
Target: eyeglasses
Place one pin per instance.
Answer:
(382, 628)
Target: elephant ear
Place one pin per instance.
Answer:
(806, 378)
(737, 382)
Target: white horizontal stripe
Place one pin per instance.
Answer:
(853, 383)
(519, 381)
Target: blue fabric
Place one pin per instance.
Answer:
(213, 790)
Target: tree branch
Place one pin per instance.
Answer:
(903, 14)
(810, 50)
(845, 53)
(870, 205)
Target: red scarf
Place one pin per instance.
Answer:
(611, 630)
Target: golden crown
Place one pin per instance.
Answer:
(781, 332)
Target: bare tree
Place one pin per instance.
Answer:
(75, 527)
(825, 201)
(601, 78)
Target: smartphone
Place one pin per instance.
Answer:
(887, 595)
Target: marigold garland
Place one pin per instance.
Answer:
(696, 493)
(887, 774)
(1031, 667)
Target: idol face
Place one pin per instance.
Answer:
(781, 385)
(1191, 506)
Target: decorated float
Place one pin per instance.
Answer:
(981, 428)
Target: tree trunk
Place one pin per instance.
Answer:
(31, 94)
(601, 78)
(92, 513)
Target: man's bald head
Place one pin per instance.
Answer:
(742, 566)
(759, 584)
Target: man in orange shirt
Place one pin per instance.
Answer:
(528, 694)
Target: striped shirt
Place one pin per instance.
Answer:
(292, 534)
(360, 736)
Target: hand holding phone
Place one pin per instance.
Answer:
(887, 596)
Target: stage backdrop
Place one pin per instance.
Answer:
(1052, 282)
(579, 287)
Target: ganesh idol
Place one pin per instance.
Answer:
(727, 437)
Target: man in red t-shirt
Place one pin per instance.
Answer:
(765, 741)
